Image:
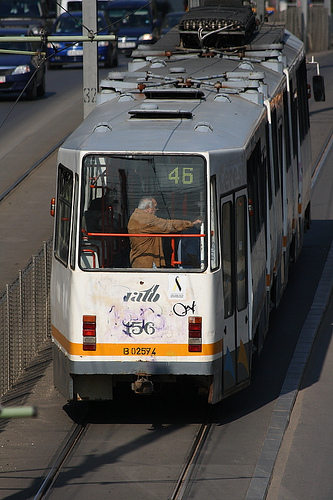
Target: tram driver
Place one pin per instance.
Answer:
(147, 252)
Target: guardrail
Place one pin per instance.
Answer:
(25, 316)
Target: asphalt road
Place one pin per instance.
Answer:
(28, 130)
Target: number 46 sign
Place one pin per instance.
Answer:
(181, 175)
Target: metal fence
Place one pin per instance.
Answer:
(25, 316)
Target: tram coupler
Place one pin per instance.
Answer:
(143, 386)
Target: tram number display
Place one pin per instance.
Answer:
(139, 351)
(181, 175)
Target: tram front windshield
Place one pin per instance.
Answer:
(138, 212)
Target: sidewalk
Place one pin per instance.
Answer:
(297, 455)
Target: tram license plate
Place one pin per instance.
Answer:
(139, 351)
(2, 79)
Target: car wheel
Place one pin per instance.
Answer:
(41, 87)
(31, 93)
(108, 62)
(115, 59)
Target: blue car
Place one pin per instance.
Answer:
(61, 53)
(135, 23)
(34, 15)
(21, 72)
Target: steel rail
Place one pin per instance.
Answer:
(191, 461)
(75, 435)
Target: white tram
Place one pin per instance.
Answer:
(212, 131)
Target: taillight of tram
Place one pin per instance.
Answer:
(89, 333)
(195, 334)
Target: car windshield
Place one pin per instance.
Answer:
(113, 188)
(15, 8)
(69, 24)
(171, 20)
(129, 17)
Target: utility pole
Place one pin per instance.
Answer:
(90, 60)
(90, 40)
(261, 10)
(304, 21)
(328, 6)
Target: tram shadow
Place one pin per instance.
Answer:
(286, 322)
(169, 405)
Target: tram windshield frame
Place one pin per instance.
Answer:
(111, 190)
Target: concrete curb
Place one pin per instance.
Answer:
(259, 485)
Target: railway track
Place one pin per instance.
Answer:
(192, 459)
(73, 438)
(80, 430)
(29, 170)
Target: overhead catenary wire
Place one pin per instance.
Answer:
(44, 39)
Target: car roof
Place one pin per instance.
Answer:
(128, 3)
(14, 31)
(78, 13)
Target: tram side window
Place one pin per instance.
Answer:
(227, 259)
(294, 118)
(74, 223)
(268, 168)
(303, 104)
(241, 247)
(257, 191)
(63, 214)
(287, 129)
(214, 249)
(275, 144)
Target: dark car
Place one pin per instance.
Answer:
(170, 20)
(60, 53)
(27, 14)
(135, 22)
(23, 72)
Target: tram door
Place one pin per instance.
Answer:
(236, 346)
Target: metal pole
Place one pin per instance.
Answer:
(90, 61)
(328, 6)
(261, 10)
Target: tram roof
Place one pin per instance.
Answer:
(165, 115)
